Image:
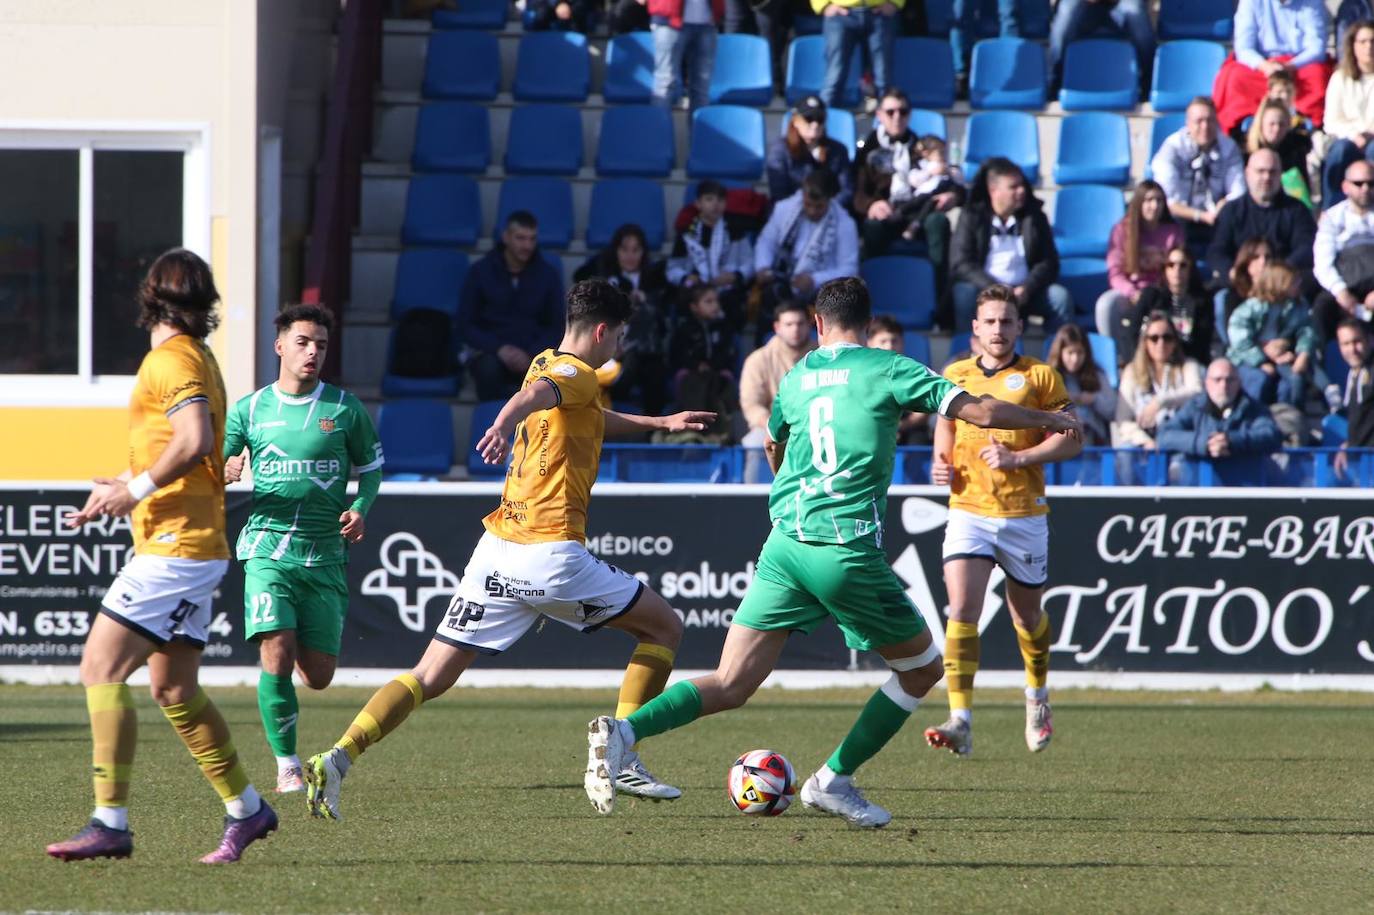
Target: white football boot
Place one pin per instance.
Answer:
(323, 778)
(637, 780)
(605, 758)
(955, 735)
(1039, 725)
(844, 800)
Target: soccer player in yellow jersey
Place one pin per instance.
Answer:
(158, 609)
(997, 512)
(532, 561)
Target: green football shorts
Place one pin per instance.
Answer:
(311, 600)
(797, 585)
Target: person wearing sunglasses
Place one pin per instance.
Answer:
(1158, 380)
(804, 148)
(1343, 257)
(1223, 426)
(1180, 295)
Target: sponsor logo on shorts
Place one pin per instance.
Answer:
(498, 585)
(411, 576)
(591, 609)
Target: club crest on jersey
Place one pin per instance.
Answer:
(326, 424)
(565, 369)
(1016, 382)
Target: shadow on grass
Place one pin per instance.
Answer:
(716, 864)
(45, 730)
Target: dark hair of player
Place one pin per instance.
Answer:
(845, 303)
(314, 314)
(522, 218)
(592, 302)
(885, 324)
(179, 290)
(998, 292)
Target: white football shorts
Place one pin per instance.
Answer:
(164, 598)
(1019, 545)
(507, 586)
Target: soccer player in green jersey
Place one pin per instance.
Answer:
(304, 438)
(831, 442)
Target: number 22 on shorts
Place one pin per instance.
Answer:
(260, 609)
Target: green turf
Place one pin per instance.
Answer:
(1145, 802)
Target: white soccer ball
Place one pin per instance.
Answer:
(761, 783)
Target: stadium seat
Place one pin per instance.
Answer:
(544, 140)
(483, 415)
(1100, 74)
(743, 71)
(473, 14)
(924, 69)
(549, 199)
(629, 69)
(429, 278)
(1083, 218)
(442, 209)
(552, 67)
(452, 137)
(417, 436)
(924, 122)
(667, 464)
(916, 346)
(1211, 20)
(1086, 279)
(1007, 73)
(1335, 430)
(636, 140)
(616, 201)
(1094, 148)
(1002, 133)
(727, 142)
(1104, 354)
(806, 71)
(395, 385)
(1183, 71)
(903, 287)
(839, 125)
(1160, 129)
(462, 65)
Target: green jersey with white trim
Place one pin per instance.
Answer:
(837, 410)
(302, 452)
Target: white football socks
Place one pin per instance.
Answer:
(245, 805)
(962, 714)
(113, 817)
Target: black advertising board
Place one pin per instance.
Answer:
(1148, 581)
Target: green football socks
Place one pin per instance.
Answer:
(676, 706)
(279, 709)
(881, 718)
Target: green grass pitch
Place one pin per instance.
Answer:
(1145, 802)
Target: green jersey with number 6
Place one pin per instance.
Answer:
(303, 450)
(837, 410)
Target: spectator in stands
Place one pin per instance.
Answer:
(1158, 380)
(1182, 298)
(1272, 342)
(684, 31)
(1254, 255)
(625, 264)
(763, 370)
(1004, 237)
(846, 24)
(1224, 424)
(511, 308)
(885, 332)
(1273, 35)
(1265, 212)
(1343, 257)
(1272, 128)
(702, 358)
(1200, 169)
(808, 241)
(1087, 384)
(963, 33)
(768, 18)
(1349, 110)
(714, 251)
(1126, 19)
(803, 149)
(1356, 400)
(558, 15)
(1135, 257)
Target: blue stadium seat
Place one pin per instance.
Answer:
(429, 278)
(1002, 133)
(544, 140)
(806, 71)
(1083, 218)
(442, 209)
(1160, 129)
(552, 67)
(483, 415)
(616, 201)
(1100, 74)
(549, 199)
(462, 65)
(839, 125)
(903, 287)
(924, 121)
(417, 436)
(743, 71)
(1007, 73)
(1094, 148)
(727, 142)
(474, 14)
(636, 140)
(1183, 71)
(1335, 430)
(1104, 354)
(924, 69)
(452, 137)
(1211, 20)
(916, 346)
(629, 69)
(1086, 279)
(667, 464)
(446, 386)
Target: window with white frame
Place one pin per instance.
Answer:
(82, 216)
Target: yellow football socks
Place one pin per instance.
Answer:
(384, 712)
(1035, 651)
(114, 733)
(961, 663)
(645, 677)
(206, 734)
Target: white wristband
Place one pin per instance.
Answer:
(142, 486)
